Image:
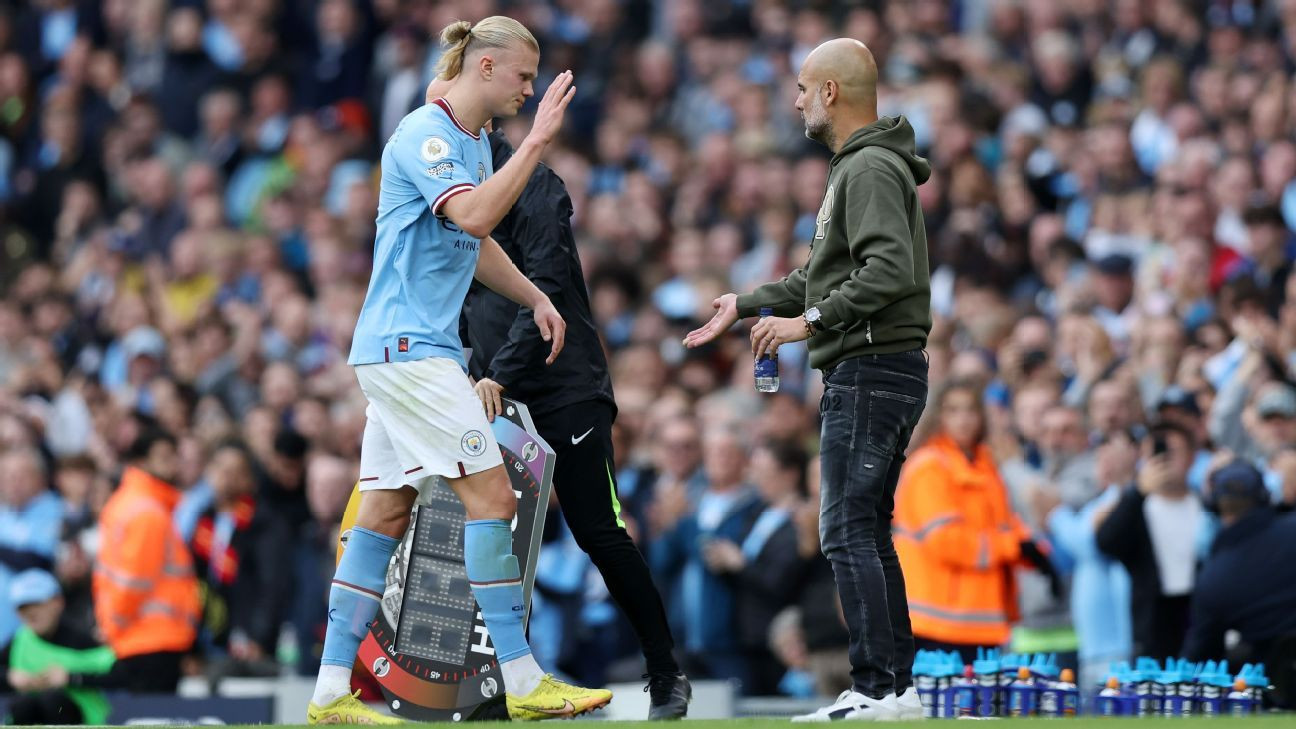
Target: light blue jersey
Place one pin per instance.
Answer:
(423, 263)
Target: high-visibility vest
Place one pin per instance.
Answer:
(145, 591)
(958, 540)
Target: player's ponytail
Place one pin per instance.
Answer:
(497, 31)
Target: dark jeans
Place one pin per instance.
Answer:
(584, 478)
(869, 409)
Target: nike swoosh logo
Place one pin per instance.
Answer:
(567, 708)
(576, 441)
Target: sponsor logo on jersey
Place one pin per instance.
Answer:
(442, 170)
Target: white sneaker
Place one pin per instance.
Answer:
(908, 705)
(846, 702)
(883, 709)
(853, 705)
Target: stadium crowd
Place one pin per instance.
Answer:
(187, 202)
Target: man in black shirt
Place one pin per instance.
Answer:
(1158, 530)
(1248, 584)
(571, 402)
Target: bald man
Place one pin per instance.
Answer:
(863, 303)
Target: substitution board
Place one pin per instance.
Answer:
(428, 647)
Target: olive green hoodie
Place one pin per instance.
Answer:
(867, 270)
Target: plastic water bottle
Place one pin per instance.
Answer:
(1257, 682)
(1023, 694)
(1239, 702)
(986, 668)
(1108, 700)
(767, 377)
(925, 682)
(1068, 693)
(964, 690)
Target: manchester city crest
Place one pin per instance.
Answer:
(473, 443)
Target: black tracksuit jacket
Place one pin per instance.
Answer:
(506, 345)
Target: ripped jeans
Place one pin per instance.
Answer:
(869, 409)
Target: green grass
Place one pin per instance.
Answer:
(1270, 721)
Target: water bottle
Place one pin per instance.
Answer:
(1108, 701)
(767, 377)
(925, 682)
(1239, 702)
(1068, 693)
(1257, 682)
(1023, 694)
(986, 668)
(964, 691)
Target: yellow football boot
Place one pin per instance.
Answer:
(347, 709)
(553, 699)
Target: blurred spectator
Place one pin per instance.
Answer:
(242, 554)
(329, 483)
(30, 518)
(338, 66)
(187, 73)
(556, 601)
(1247, 582)
(146, 596)
(763, 567)
(1065, 476)
(1159, 530)
(1100, 585)
(823, 626)
(704, 600)
(51, 663)
(1180, 406)
(281, 476)
(83, 492)
(955, 528)
(787, 644)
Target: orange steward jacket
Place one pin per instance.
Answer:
(145, 593)
(958, 540)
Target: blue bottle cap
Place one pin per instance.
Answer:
(1258, 678)
(1044, 666)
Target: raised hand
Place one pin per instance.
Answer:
(549, 115)
(726, 315)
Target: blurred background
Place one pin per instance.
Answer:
(187, 201)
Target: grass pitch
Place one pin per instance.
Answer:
(1268, 721)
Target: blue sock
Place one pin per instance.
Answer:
(497, 584)
(356, 593)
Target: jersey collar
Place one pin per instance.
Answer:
(445, 106)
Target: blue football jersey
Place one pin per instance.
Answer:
(423, 262)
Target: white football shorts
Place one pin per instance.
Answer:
(423, 420)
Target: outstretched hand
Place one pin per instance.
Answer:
(726, 315)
